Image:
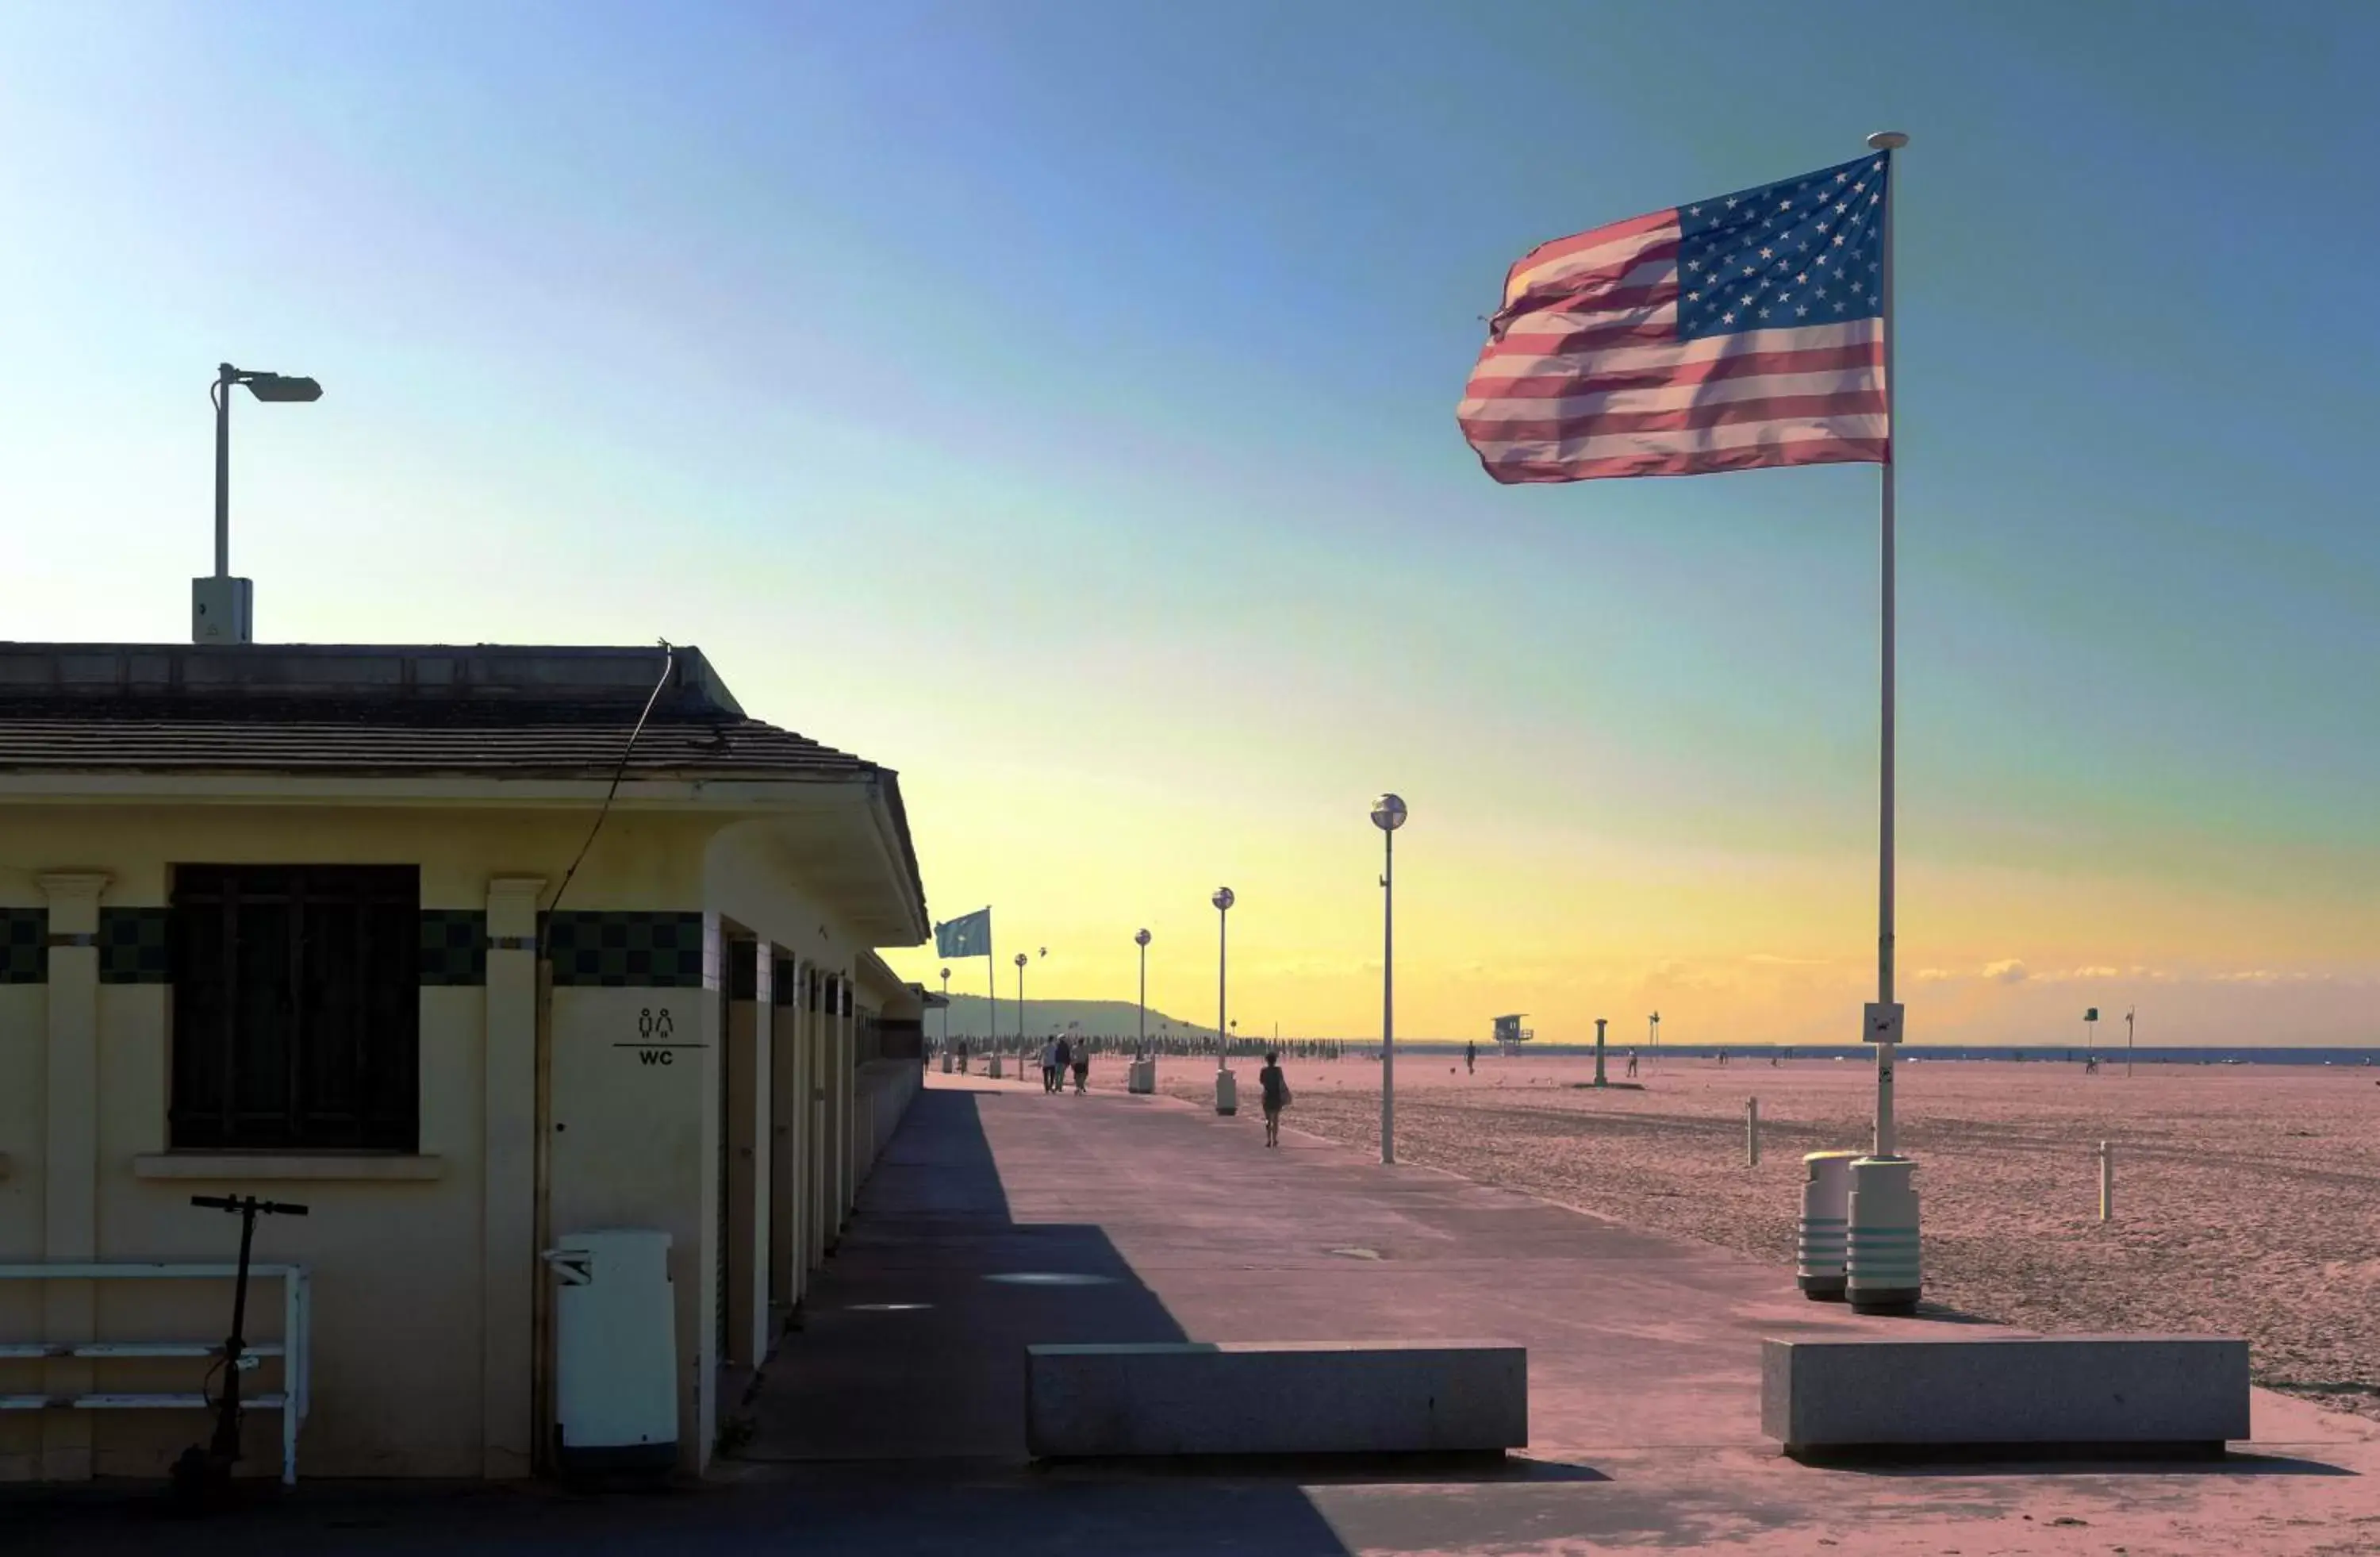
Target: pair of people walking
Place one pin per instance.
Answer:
(1057, 1058)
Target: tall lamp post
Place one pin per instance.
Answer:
(2128, 1041)
(1141, 940)
(1020, 1007)
(222, 607)
(946, 1010)
(1654, 1041)
(1227, 1097)
(1388, 815)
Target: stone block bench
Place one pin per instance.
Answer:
(2132, 1394)
(1279, 1397)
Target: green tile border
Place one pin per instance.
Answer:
(453, 946)
(134, 947)
(24, 945)
(613, 948)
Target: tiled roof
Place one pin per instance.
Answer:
(396, 740)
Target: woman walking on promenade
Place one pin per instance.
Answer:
(1276, 1097)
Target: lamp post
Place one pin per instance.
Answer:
(222, 606)
(1227, 1098)
(946, 1010)
(1388, 815)
(1141, 940)
(2091, 1033)
(1020, 1007)
(1655, 1043)
(2128, 1041)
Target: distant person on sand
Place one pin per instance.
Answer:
(1722, 1058)
(1081, 1067)
(1276, 1097)
(1631, 1061)
(1470, 1057)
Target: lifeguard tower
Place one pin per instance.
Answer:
(1511, 1035)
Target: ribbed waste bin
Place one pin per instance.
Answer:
(1142, 1076)
(1881, 1254)
(1825, 1221)
(615, 1354)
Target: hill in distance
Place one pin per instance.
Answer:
(971, 1014)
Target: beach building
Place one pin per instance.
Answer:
(303, 922)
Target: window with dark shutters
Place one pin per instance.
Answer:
(296, 1007)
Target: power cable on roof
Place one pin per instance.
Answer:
(545, 929)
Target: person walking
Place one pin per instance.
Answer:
(1470, 1057)
(1631, 1061)
(1050, 1066)
(962, 1055)
(1276, 1097)
(1082, 1068)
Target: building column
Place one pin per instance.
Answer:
(787, 1107)
(508, 1253)
(846, 1116)
(749, 1087)
(70, 1166)
(821, 1047)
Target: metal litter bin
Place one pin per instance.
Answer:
(1825, 1225)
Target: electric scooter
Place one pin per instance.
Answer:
(201, 1476)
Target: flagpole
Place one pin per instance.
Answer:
(1882, 1261)
(1886, 141)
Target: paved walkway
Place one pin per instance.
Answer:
(893, 1423)
(1003, 1217)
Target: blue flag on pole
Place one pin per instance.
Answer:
(970, 935)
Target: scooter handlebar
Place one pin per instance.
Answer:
(240, 1203)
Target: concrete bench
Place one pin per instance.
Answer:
(1276, 1397)
(2183, 1393)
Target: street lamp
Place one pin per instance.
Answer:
(2128, 1041)
(1141, 940)
(1020, 1007)
(946, 1011)
(1227, 1097)
(1655, 1043)
(222, 607)
(1388, 815)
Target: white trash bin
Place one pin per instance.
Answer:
(1826, 1221)
(616, 1354)
(1227, 1092)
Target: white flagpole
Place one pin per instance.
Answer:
(991, 978)
(1886, 141)
(1882, 1266)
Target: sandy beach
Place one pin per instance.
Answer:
(2245, 1196)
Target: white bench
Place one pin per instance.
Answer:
(1985, 1392)
(1279, 1397)
(291, 1400)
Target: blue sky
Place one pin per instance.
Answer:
(1056, 402)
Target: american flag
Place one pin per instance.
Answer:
(1741, 331)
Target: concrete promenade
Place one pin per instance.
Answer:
(1000, 1216)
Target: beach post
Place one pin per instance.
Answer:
(1599, 1051)
(1752, 1132)
(2106, 1181)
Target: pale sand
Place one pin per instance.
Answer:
(2247, 1197)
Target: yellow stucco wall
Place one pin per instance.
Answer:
(404, 1365)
